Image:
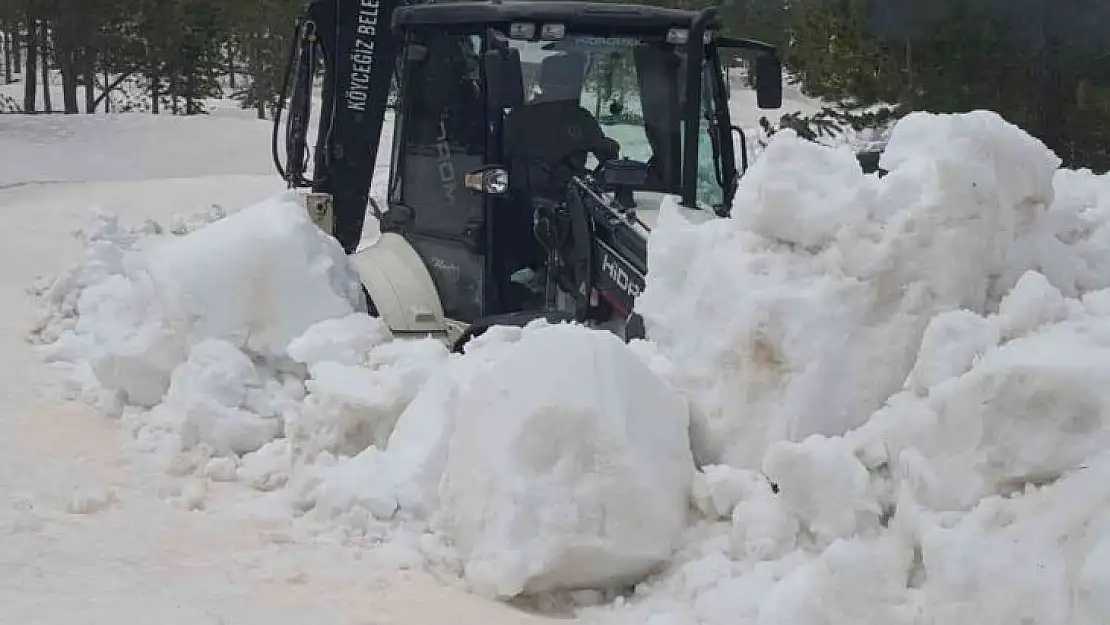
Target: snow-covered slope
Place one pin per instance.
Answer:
(895, 391)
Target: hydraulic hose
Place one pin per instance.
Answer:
(299, 68)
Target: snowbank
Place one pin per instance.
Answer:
(233, 352)
(828, 278)
(184, 334)
(898, 387)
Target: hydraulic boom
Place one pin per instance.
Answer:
(353, 40)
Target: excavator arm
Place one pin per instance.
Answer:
(354, 42)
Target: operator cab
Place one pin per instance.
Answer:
(501, 102)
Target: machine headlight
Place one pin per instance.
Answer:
(491, 181)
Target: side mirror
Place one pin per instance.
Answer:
(504, 78)
(768, 81)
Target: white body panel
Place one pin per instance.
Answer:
(396, 279)
(400, 285)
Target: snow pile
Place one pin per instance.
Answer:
(133, 310)
(584, 471)
(977, 498)
(233, 347)
(233, 352)
(184, 334)
(898, 388)
(830, 277)
(895, 389)
(258, 277)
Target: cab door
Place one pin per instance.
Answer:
(441, 136)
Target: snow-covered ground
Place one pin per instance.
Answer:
(865, 401)
(88, 531)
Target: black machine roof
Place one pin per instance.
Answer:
(568, 12)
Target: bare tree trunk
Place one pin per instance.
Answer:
(107, 92)
(231, 66)
(174, 97)
(69, 81)
(172, 84)
(44, 65)
(67, 24)
(17, 50)
(155, 96)
(155, 92)
(190, 85)
(64, 53)
(30, 84)
(89, 73)
(5, 34)
(254, 87)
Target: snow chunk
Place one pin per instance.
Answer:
(222, 469)
(210, 391)
(1036, 407)
(418, 445)
(763, 527)
(268, 468)
(1015, 165)
(135, 351)
(717, 489)
(359, 483)
(1032, 303)
(344, 340)
(859, 581)
(785, 192)
(580, 459)
(822, 482)
(351, 407)
(951, 344)
(257, 278)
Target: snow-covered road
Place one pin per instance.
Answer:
(86, 534)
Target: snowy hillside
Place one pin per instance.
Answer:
(865, 401)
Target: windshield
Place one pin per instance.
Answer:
(631, 85)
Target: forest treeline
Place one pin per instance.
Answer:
(1043, 65)
(177, 50)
